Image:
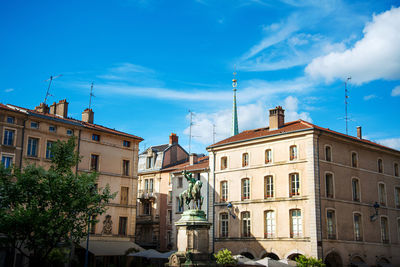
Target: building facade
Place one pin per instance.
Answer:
(297, 188)
(27, 136)
(153, 226)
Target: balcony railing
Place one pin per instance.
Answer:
(146, 194)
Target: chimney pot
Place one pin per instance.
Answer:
(276, 118)
(173, 139)
(88, 115)
(193, 158)
(62, 108)
(359, 133)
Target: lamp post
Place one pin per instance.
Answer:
(230, 207)
(374, 216)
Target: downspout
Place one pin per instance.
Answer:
(208, 193)
(79, 146)
(213, 205)
(320, 204)
(22, 145)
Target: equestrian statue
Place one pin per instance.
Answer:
(193, 192)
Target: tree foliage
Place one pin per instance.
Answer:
(303, 261)
(43, 209)
(225, 257)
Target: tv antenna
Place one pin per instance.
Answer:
(346, 96)
(48, 88)
(91, 95)
(214, 133)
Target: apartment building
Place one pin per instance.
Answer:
(26, 138)
(153, 229)
(297, 188)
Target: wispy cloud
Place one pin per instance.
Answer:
(128, 72)
(369, 97)
(396, 91)
(391, 142)
(9, 90)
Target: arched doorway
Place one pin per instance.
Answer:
(293, 256)
(356, 260)
(271, 256)
(333, 260)
(247, 255)
(383, 262)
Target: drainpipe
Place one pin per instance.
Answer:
(208, 193)
(22, 146)
(320, 204)
(213, 205)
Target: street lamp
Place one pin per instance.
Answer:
(376, 206)
(230, 208)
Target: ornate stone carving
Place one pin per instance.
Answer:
(107, 225)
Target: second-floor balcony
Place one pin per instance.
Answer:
(146, 194)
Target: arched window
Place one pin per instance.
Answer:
(245, 188)
(245, 159)
(328, 153)
(293, 152)
(224, 191)
(354, 160)
(380, 166)
(357, 221)
(294, 183)
(355, 189)
(224, 220)
(269, 186)
(396, 169)
(397, 197)
(269, 216)
(331, 224)
(329, 188)
(224, 163)
(246, 225)
(296, 226)
(268, 156)
(382, 194)
(384, 230)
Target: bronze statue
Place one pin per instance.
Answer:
(192, 193)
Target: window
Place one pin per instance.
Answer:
(246, 225)
(269, 224)
(354, 160)
(49, 153)
(33, 144)
(52, 128)
(146, 208)
(94, 163)
(124, 195)
(96, 137)
(8, 139)
(293, 152)
(355, 189)
(126, 143)
(397, 197)
(34, 125)
(10, 119)
(384, 230)
(296, 228)
(151, 185)
(294, 182)
(7, 161)
(329, 185)
(180, 182)
(269, 186)
(169, 214)
(245, 188)
(382, 194)
(125, 167)
(328, 153)
(245, 159)
(224, 218)
(224, 191)
(178, 207)
(149, 162)
(169, 196)
(70, 132)
(331, 224)
(268, 156)
(357, 227)
(122, 225)
(224, 163)
(396, 169)
(380, 166)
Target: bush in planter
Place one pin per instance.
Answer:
(225, 257)
(303, 261)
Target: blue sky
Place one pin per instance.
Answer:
(153, 61)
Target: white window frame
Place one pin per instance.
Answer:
(8, 155)
(297, 184)
(334, 225)
(361, 237)
(268, 155)
(245, 162)
(37, 146)
(246, 188)
(296, 232)
(270, 223)
(224, 191)
(269, 187)
(14, 136)
(246, 224)
(224, 225)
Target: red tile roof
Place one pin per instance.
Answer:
(287, 128)
(69, 120)
(202, 163)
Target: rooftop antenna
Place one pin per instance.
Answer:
(346, 96)
(214, 133)
(91, 95)
(48, 88)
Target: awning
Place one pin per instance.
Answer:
(109, 248)
(152, 254)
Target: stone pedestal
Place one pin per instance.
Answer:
(192, 241)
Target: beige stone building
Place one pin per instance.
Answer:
(297, 188)
(26, 138)
(154, 210)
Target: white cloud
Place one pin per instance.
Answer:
(369, 97)
(396, 91)
(391, 142)
(291, 112)
(375, 56)
(9, 90)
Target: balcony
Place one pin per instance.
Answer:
(146, 195)
(147, 219)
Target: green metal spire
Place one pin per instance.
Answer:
(235, 126)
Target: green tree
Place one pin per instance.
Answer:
(41, 210)
(303, 261)
(225, 257)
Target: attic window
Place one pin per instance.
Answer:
(96, 137)
(149, 162)
(126, 143)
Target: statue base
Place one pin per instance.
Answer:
(192, 241)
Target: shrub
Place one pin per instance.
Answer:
(225, 257)
(303, 261)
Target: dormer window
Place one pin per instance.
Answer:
(293, 152)
(149, 162)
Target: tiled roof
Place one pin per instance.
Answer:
(287, 128)
(158, 148)
(68, 121)
(201, 163)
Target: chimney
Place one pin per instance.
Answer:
(62, 108)
(42, 108)
(173, 139)
(88, 115)
(359, 133)
(276, 118)
(193, 158)
(53, 108)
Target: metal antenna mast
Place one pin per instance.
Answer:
(190, 130)
(214, 133)
(48, 88)
(91, 95)
(346, 96)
